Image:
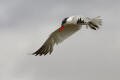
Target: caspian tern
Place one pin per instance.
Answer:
(69, 26)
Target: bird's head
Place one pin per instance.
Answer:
(64, 21)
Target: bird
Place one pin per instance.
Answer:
(69, 26)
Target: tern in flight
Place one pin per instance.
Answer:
(69, 26)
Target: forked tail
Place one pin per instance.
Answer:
(94, 23)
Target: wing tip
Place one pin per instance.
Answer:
(44, 50)
(42, 54)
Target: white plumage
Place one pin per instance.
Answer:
(69, 26)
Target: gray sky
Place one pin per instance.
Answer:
(87, 55)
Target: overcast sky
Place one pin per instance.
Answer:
(87, 55)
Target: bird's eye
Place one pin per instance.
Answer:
(64, 21)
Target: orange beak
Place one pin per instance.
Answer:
(61, 28)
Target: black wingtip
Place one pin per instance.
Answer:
(93, 26)
(44, 50)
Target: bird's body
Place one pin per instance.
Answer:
(69, 26)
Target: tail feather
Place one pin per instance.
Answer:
(94, 23)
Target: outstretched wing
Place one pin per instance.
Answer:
(57, 37)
